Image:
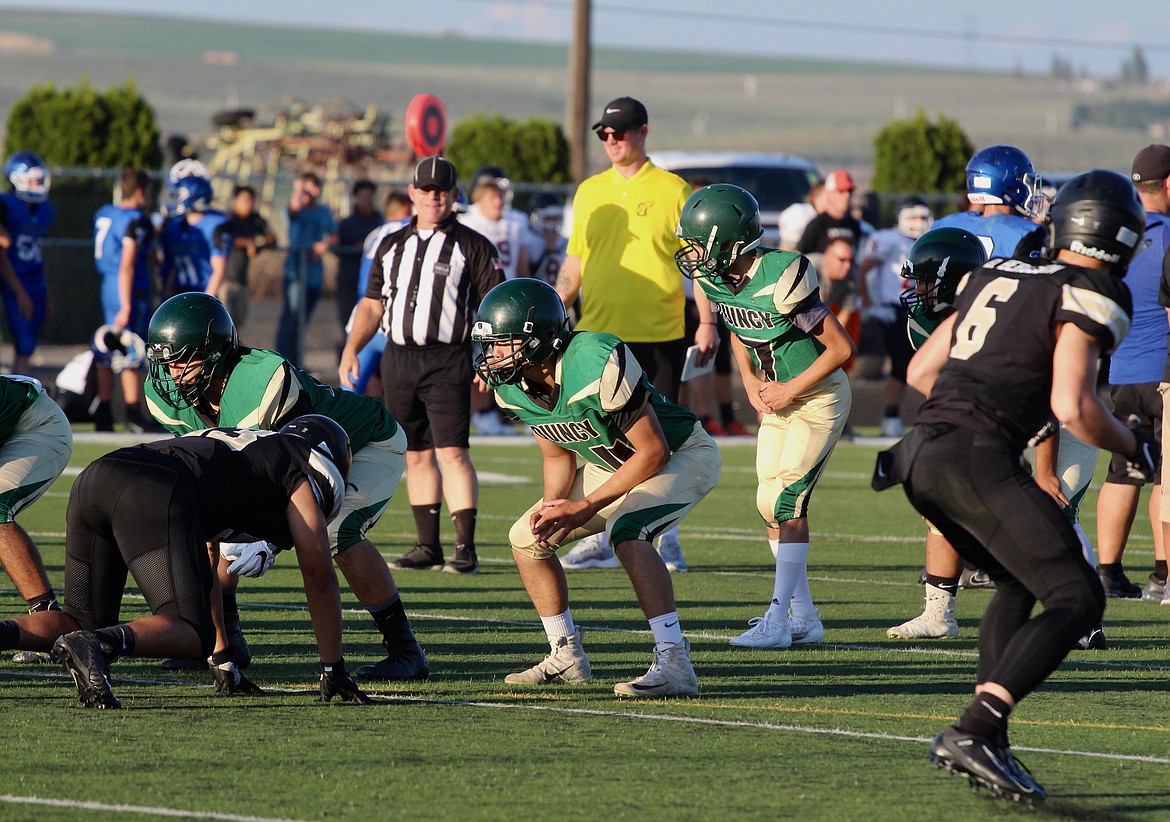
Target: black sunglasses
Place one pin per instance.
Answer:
(618, 136)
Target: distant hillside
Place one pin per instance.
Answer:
(828, 111)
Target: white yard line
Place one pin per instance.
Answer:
(142, 809)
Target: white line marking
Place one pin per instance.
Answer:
(101, 806)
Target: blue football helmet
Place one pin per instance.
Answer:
(183, 169)
(191, 194)
(29, 176)
(117, 349)
(1003, 175)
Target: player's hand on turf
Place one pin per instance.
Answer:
(230, 682)
(248, 559)
(336, 681)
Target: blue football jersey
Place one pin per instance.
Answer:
(112, 225)
(187, 250)
(1001, 234)
(27, 224)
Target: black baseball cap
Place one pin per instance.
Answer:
(622, 115)
(1151, 163)
(435, 172)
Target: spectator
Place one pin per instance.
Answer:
(836, 221)
(1135, 370)
(795, 218)
(123, 239)
(426, 367)
(311, 233)
(351, 236)
(881, 286)
(620, 260)
(250, 235)
(26, 216)
(838, 287)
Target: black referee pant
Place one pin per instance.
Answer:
(975, 490)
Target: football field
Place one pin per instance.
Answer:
(838, 731)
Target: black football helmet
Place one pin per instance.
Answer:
(1100, 215)
(546, 212)
(191, 334)
(527, 313)
(492, 176)
(937, 263)
(329, 458)
(718, 224)
(914, 217)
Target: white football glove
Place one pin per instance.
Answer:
(248, 559)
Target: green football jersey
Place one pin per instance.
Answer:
(17, 393)
(760, 310)
(264, 390)
(601, 390)
(919, 328)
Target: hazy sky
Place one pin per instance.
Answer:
(989, 34)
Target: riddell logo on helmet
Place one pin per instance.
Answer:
(1077, 247)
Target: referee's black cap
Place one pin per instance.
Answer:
(435, 172)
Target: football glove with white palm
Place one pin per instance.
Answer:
(230, 682)
(248, 559)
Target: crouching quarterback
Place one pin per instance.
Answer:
(294, 481)
(648, 462)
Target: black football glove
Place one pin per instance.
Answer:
(1142, 464)
(336, 681)
(230, 682)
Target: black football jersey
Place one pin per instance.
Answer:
(245, 480)
(998, 376)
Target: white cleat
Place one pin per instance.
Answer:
(937, 620)
(764, 633)
(566, 664)
(671, 674)
(806, 630)
(892, 427)
(671, 552)
(591, 552)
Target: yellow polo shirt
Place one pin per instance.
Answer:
(623, 231)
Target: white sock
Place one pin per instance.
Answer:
(558, 626)
(774, 546)
(666, 630)
(1086, 545)
(791, 578)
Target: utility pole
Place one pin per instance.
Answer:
(577, 100)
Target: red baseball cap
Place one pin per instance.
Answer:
(839, 180)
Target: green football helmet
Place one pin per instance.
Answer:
(719, 223)
(528, 314)
(188, 345)
(937, 263)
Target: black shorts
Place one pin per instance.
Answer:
(1143, 401)
(141, 514)
(662, 362)
(897, 343)
(428, 390)
(723, 352)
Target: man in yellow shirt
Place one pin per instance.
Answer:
(620, 261)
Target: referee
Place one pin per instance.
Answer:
(425, 286)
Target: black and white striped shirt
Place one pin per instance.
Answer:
(430, 283)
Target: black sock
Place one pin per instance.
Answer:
(726, 413)
(948, 584)
(426, 522)
(1160, 569)
(987, 717)
(220, 657)
(893, 411)
(45, 602)
(464, 527)
(116, 641)
(9, 634)
(1113, 569)
(230, 607)
(133, 411)
(391, 619)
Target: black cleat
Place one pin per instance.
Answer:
(241, 653)
(405, 661)
(420, 556)
(1118, 586)
(464, 562)
(1093, 641)
(81, 654)
(986, 764)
